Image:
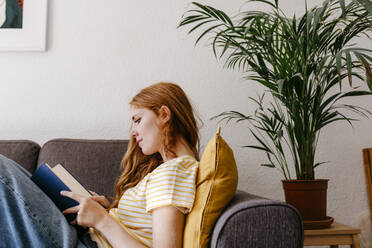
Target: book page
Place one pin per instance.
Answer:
(47, 165)
(69, 180)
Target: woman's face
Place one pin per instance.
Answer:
(146, 130)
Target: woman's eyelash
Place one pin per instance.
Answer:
(137, 120)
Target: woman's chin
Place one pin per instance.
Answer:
(144, 151)
(147, 152)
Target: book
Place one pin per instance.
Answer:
(53, 180)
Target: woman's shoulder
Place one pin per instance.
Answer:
(185, 161)
(181, 163)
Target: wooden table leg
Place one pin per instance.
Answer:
(356, 243)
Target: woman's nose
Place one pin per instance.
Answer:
(134, 132)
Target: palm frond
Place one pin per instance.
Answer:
(300, 61)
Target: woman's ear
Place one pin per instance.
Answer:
(164, 114)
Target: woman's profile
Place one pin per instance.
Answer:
(154, 192)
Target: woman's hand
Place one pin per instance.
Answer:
(100, 199)
(89, 212)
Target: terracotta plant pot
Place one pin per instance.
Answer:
(309, 197)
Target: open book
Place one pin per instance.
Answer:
(53, 180)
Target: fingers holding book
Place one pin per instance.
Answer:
(100, 199)
(72, 195)
(73, 210)
(89, 212)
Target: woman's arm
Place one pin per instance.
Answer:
(167, 227)
(93, 214)
(168, 223)
(115, 234)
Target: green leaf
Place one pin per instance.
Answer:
(191, 19)
(342, 5)
(268, 165)
(199, 25)
(317, 164)
(226, 18)
(207, 31)
(358, 110)
(258, 148)
(367, 69)
(356, 93)
(280, 85)
(261, 142)
(367, 5)
(339, 65)
(369, 78)
(328, 101)
(218, 14)
(275, 6)
(349, 68)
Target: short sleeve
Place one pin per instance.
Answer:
(172, 183)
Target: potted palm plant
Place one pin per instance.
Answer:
(304, 64)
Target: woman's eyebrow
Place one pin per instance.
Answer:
(139, 112)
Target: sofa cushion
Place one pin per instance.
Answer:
(94, 163)
(216, 183)
(24, 152)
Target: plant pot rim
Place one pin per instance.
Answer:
(304, 181)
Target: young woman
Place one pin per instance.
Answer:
(155, 191)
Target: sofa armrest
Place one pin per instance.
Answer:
(253, 221)
(24, 152)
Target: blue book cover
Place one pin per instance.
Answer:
(52, 185)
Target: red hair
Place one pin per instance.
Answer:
(182, 125)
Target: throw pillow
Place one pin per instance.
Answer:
(216, 183)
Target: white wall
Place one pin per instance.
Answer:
(100, 53)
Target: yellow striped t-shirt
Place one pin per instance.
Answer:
(171, 183)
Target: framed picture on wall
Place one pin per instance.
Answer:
(23, 25)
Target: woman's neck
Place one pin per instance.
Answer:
(181, 149)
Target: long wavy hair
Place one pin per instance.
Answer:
(182, 124)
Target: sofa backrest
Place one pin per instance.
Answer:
(24, 152)
(94, 163)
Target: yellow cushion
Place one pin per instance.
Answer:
(215, 187)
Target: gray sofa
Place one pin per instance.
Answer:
(248, 221)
